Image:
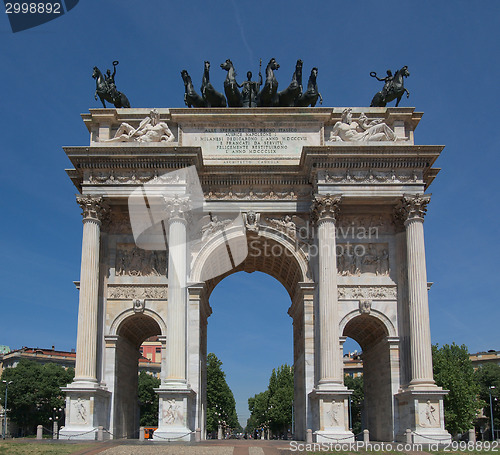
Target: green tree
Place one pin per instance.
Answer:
(34, 393)
(281, 399)
(258, 411)
(454, 372)
(274, 407)
(357, 397)
(148, 399)
(221, 405)
(488, 375)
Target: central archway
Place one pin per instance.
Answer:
(276, 254)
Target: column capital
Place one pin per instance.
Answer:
(93, 207)
(326, 207)
(412, 207)
(177, 208)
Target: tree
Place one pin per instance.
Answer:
(148, 399)
(488, 375)
(221, 405)
(281, 399)
(34, 393)
(258, 411)
(454, 372)
(357, 397)
(274, 407)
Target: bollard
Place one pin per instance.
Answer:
(309, 436)
(100, 433)
(197, 435)
(366, 436)
(472, 435)
(408, 436)
(39, 432)
(141, 433)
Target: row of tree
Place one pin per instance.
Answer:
(273, 409)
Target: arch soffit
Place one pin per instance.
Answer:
(124, 315)
(381, 317)
(265, 232)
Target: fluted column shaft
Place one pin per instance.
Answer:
(86, 342)
(413, 210)
(325, 210)
(177, 293)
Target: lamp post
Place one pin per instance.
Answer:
(4, 435)
(55, 422)
(491, 414)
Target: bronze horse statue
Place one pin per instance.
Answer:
(287, 97)
(212, 97)
(311, 95)
(267, 96)
(102, 89)
(395, 89)
(191, 98)
(233, 94)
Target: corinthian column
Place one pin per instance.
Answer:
(175, 365)
(93, 210)
(325, 210)
(411, 210)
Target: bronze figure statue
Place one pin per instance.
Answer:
(311, 95)
(233, 95)
(250, 89)
(106, 88)
(191, 98)
(288, 97)
(393, 88)
(267, 96)
(212, 97)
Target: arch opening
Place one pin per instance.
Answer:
(131, 333)
(373, 337)
(275, 255)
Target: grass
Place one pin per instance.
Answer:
(22, 448)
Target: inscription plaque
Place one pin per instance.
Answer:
(279, 143)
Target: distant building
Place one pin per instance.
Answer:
(484, 357)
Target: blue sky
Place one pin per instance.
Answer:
(451, 49)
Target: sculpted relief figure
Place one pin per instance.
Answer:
(354, 260)
(137, 262)
(213, 226)
(361, 130)
(151, 129)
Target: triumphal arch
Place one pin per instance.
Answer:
(329, 201)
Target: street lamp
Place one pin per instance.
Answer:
(55, 420)
(491, 414)
(4, 434)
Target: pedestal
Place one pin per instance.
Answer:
(87, 408)
(175, 419)
(332, 416)
(422, 412)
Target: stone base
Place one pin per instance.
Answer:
(87, 408)
(331, 415)
(175, 419)
(422, 412)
